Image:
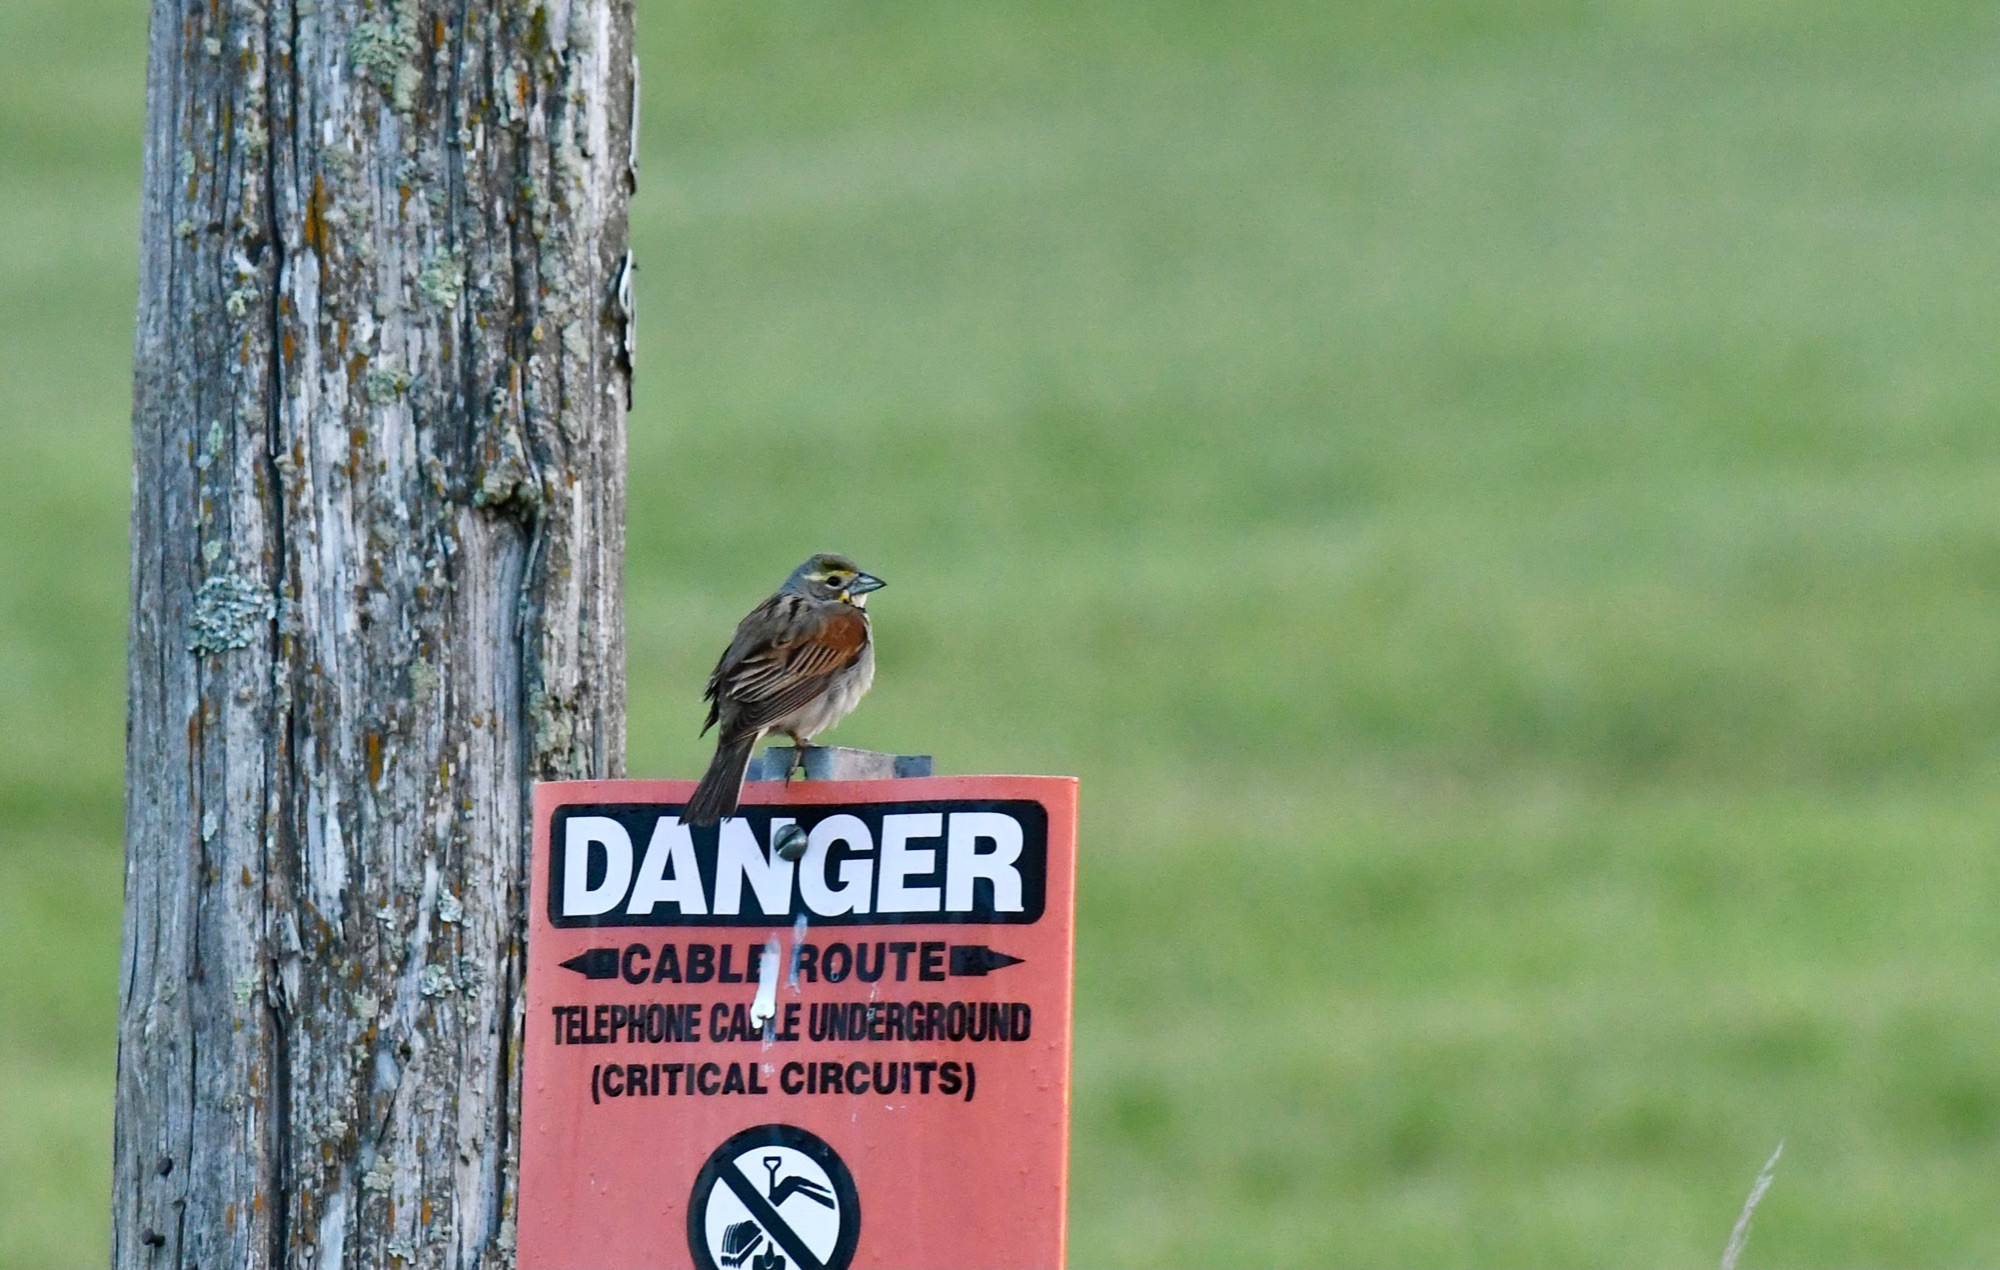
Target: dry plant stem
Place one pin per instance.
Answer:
(381, 372)
(1740, 1236)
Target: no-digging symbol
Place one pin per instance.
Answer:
(773, 1198)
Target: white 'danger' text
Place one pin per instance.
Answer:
(935, 864)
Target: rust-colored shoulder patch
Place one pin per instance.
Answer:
(844, 632)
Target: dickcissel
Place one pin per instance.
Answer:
(799, 662)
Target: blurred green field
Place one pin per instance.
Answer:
(1500, 503)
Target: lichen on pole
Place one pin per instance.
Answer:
(381, 372)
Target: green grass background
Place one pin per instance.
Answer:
(1499, 502)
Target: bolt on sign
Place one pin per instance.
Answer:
(832, 1031)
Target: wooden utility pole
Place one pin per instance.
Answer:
(382, 368)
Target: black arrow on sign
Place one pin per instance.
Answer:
(978, 959)
(598, 963)
(974, 960)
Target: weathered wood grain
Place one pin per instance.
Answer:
(380, 383)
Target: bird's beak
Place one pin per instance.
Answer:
(864, 583)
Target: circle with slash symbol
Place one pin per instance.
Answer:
(774, 1198)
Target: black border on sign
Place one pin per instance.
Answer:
(1031, 813)
(775, 1135)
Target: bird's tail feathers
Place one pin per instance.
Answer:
(722, 785)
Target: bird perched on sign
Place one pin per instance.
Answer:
(799, 662)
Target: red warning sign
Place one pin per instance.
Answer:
(832, 1031)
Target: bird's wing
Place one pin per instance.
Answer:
(781, 620)
(777, 620)
(783, 656)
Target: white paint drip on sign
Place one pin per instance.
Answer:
(798, 941)
(765, 1007)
